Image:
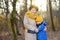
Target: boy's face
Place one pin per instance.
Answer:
(38, 22)
(33, 10)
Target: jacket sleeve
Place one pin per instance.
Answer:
(42, 26)
(26, 23)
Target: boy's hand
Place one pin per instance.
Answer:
(45, 28)
(36, 30)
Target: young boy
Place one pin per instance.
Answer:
(41, 26)
(40, 31)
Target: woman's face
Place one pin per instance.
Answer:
(33, 10)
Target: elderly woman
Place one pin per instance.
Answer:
(29, 22)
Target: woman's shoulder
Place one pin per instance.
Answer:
(27, 13)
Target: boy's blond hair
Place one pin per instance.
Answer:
(39, 19)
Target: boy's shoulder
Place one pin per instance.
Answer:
(44, 22)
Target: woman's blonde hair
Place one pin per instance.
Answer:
(33, 6)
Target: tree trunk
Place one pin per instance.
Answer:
(7, 12)
(25, 9)
(30, 2)
(50, 9)
(22, 12)
(12, 19)
(59, 5)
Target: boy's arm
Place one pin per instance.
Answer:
(42, 26)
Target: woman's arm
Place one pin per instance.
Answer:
(26, 23)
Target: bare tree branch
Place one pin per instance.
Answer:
(2, 8)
